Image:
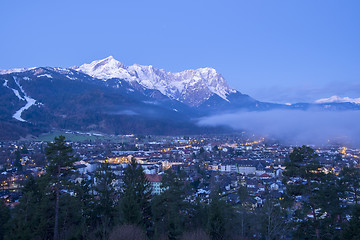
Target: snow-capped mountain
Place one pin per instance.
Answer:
(192, 87)
(109, 97)
(14, 70)
(45, 98)
(337, 99)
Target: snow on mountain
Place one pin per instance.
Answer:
(191, 86)
(29, 101)
(105, 69)
(14, 70)
(16, 92)
(337, 99)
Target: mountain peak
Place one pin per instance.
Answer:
(104, 69)
(192, 87)
(109, 61)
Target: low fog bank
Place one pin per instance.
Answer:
(294, 127)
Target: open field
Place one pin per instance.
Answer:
(80, 137)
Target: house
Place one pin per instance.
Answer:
(274, 186)
(261, 188)
(202, 193)
(259, 201)
(81, 168)
(265, 176)
(246, 167)
(242, 167)
(233, 198)
(155, 181)
(252, 185)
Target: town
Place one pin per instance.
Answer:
(226, 163)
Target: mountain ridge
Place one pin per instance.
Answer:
(337, 99)
(191, 87)
(38, 99)
(110, 68)
(68, 99)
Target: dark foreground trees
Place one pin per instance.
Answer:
(46, 209)
(319, 207)
(4, 218)
(303, 181)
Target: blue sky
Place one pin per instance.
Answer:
(283, 51)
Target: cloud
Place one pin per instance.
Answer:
(293, 126)
(125, 112)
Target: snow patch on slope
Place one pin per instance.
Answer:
(29, 101)
(45, 75)
(16, 92)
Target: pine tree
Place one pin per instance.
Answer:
(216, 217)
(135, 199)
(17, 161)
(38, 215)
(61, 160)
(352, 230)
(85, 200)
(4, 218)
(350, 182)
(319, 193)
(33, 217)
(105, 201)
(170, 209)
(245, 205)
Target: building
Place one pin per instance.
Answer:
(155, 181)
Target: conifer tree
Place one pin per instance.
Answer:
(61, 160)
(170, 208)
(105, 203)
(4, 218)
(17, 161)
(244, 207)
(318, 192)
(350, 182)
(216, 217)
(135, 199)
(32, 218)
(85, 202)
(352, 230)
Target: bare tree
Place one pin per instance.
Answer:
(198, 234)
(274, 225)
(127, 232)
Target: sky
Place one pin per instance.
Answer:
(278, 51)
